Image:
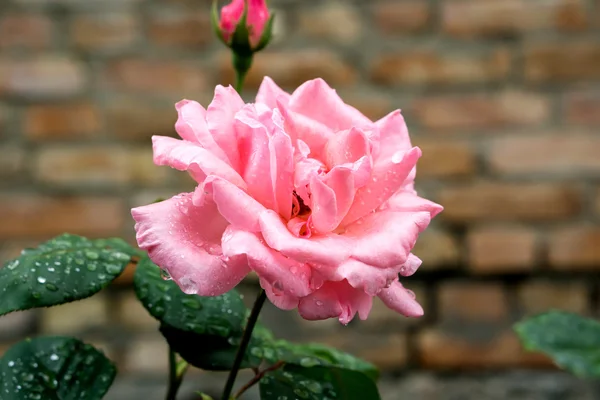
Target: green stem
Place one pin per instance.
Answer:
(176, 373)
(241, 353)
(241, 65)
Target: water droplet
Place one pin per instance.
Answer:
(54, 357)
(319, 303)
(256, 352)
(314, 387)
(92, 255)
(303, 394)
(11, 364)
(41, 279)
(92, 267)
(192, 303)
(51, 287)
(13, 264)
(121, 256)
(164, 274)
(308, 362)
(113, 269)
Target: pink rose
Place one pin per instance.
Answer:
(257, 18)
(302, 189)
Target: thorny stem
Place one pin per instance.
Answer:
(257, 378)
(239, 357)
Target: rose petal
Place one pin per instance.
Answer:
(279, 299)
(185, 240)
(411, 265)
(187, 156)
(313, 133)
(409, 202)
(346, 147)
(331, 199)
(235, 205)
(335, 299)
(384, 239)
(283, 274)
(191, 126)
(319, 102)
(394, 137)
(269, 93)
(330, 249)
(219, 118)
(400, 300)
(387, 177)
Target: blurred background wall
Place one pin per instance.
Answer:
(503, 96)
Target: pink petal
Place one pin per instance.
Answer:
(279, 299)
(269, 93)
(187, 156)
(331, 199)
(328, 249)
(394, 137)
(313, 133)
(185, 240)
(317, 101)
(346, 147)
(409, 202)
(219, 118)
(411, 265)
(191, 126)
(387, 177)
(366, 277)
(235, 205)
(401, 300)
(384, 239)
(266, 160)
(335, 299)
(283, 274)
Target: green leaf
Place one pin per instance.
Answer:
(317, 383)
(64, 269)
(572, 341)
(314, 354)
(54, 368)
(222, 316)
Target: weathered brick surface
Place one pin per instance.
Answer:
(565, 152)
(433, 67)
(508, 18)
(481, 112)
(501, 96)
(498, 250)
(489, 201)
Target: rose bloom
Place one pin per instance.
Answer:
(302, 189)
(256, 19)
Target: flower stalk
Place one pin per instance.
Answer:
(241, 353)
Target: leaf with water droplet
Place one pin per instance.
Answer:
(572, 341)
(46, 275)
(55, 368)
(317, 383)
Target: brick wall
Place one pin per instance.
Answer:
(503, 96)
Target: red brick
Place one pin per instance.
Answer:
(481, 111)
(443, 158)
(437, 349)
(62, 121)
(502, 250)
(13, 164)
(191, 29)
(472, 301)
(562, 62)
(133, 118)
(113, 31)
(435, 67)
(372, 105)
(575, 248)
(26, 31)
(317, 22)
(154, 76)
(476, 18)
(290, 69)
(437, 249)
(28, 216)
(565, 152)
(402, 17)
(97, 165)
(42, 77)
(387, 352)
(509, 201)
(540, 296)
(583, 108)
